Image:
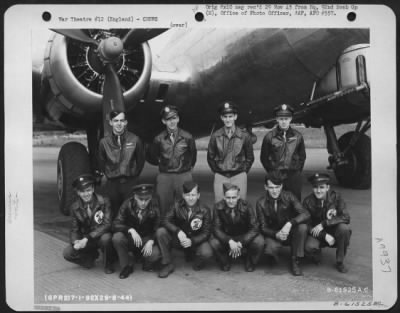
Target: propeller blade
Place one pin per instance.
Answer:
(76, 34)
(139, 35)
(112, 95)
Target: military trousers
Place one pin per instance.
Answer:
(341, 233)
(252, 250)
(86, 256)
(124, 243)
(169, 188)
(167, 241)
(296, 240)
(239, 180)
(118, 190)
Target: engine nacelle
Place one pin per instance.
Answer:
(76, 81)
(350, 71)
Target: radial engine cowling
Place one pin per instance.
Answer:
(76, 79)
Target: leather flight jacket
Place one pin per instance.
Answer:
(230, 156)
(197, 227)
(329, 212)
(273, 214)
(244, 227)
(127, 218)
(178, 156)
(283, 151)
(92, 227)
(121, 158)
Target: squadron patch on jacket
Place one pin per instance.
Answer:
(331, 213)
(99, 217)
(196, 223)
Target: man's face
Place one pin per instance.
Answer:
(231, 198)
(273, 190)
(229, 119)
(86, 194)
(320, 191)
(191, 197)
(284, 122)
(171, 123)
(118, 124)
(142, 201)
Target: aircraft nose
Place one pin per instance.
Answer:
(111, 48)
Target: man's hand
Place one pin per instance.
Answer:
(286, 228)
(186, 243)
(80, 244)
(316, 230)
(148, 248)
(281, 236)
(235, 249)
(330, 239)
(182, 236)
(137, 240)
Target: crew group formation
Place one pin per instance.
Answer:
(149, 221)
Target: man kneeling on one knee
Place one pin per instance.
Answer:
(91, 226)
(187, 225)
(134, 229)
(282, 221)
(235, 230)
(329, 221)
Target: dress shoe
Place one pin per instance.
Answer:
(225, 267)
(88, 263)
(198, 264)
(126, 271)
(341, 267)
(249, 266)
(316, 257)
(109, 269)
(189, 256)
(166, 270)
(147, 267)
(271, 260)
(296, 270)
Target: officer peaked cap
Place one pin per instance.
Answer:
(83, 181)
(143, 190)
(319, 179)
(227, 107)
(283, 110)
(114, 113)
(169, 111)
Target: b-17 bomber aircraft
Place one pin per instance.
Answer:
(322, 73)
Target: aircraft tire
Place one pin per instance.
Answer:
(73, 160)
(356, 174)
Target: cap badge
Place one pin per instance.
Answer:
(284, 107)
(226, 105)
(167, 109)
(317, 175)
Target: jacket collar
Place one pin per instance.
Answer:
(280, 131)
(177, 133)
(237, 133)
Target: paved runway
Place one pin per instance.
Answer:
(265, 286)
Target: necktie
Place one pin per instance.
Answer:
(140, 215)
(284, 135)
(190, 213)
(233, 214)
(119, 141)
(276, 205)
(89, 211)
(172, 136)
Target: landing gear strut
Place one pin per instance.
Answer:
(350, 156)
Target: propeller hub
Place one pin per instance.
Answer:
(110, 49)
